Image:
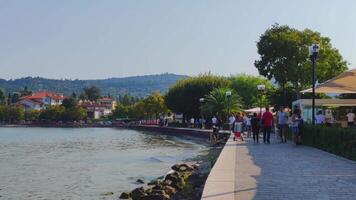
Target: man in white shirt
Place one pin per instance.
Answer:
(214, 121)
(350, 119)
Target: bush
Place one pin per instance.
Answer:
(339, 141)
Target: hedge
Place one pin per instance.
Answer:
(338, 141)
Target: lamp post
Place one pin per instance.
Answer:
(313, 55)
(201, 100)
(228, 95)
(261, 88)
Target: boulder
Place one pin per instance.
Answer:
(154, 182)
(155, 197)
(182, 167)
(175, 167)
(157, 187)
(107, 193)
(140, 181)
(137, 193)
(169, 190)
(125, 195)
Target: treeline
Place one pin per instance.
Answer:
(68, 111)
(139, 86)
(149, 107)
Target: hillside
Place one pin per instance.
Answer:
(135, 85)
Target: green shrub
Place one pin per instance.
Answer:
(339, 141)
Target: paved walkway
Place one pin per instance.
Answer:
(282, 171)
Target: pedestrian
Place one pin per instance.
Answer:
(239, 118)
(350, 119)
(214, 121)
(214, 135)
(320, 118)
(282, 120)
(237, 130)
(231, 121)
(267, 122)
(191, 121)
(300, 129)
(255, 126)
(295, 125)
(247, 125)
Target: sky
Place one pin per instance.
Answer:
(91, 39)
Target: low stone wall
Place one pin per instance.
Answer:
(201, 133)
(220, 184)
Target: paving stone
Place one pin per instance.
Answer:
(284, 171)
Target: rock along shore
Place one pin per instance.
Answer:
(184, 181)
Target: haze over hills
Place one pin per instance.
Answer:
(135, 85)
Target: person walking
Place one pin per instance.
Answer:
(282, 124)
(214, 121)
(267, 122)
(320, 118)
(295, 120)
(214, 135)
(247, 125)
(231, 121)
(255, 126)
(350, 119)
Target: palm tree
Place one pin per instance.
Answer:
(219, 104)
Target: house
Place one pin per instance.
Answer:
(41, 100)
(95, 110)
(109, 103)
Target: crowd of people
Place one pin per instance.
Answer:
(327, 118)
(252, 125)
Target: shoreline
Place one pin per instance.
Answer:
(187, 184)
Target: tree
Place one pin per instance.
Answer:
(246, 88)
(52, 113)
(11, 114)
(33, 115)
(69, 103)
(2, 97)
(15, 97)
(183, 97)
(154, 105)
(74, 95)
(147, 108)
(284, 56)
(25, 92)
(92, 93)
(217, 103)
(120, 112)
(73, 114)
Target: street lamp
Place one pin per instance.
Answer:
(228, 95)
(313, 54)
(201, 100)
(261, 88)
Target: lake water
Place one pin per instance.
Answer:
(84, 163)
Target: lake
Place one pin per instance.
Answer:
(85, 163)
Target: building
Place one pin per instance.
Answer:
(97, 110)
(41, 100)
(109, 103)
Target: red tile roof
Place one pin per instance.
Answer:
(43, 94)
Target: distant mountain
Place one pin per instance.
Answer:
(139, 86)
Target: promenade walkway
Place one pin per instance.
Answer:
(279, 171)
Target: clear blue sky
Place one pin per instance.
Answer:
(112, 38)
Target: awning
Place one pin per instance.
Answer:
(257, 110)
(345, 83)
